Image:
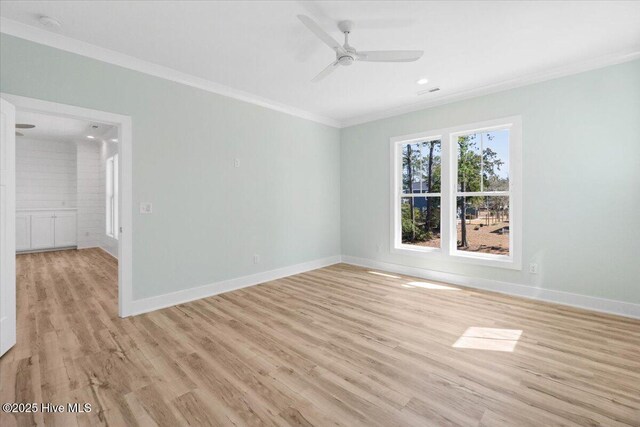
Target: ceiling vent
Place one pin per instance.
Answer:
(432, 90)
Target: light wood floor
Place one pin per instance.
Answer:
(336, 346)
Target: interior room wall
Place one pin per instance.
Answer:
(91, 195)
(581, 178)
(45, 173)
(209, 217)
(303, 189)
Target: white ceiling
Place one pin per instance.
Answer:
(56, 128)
(261, 48)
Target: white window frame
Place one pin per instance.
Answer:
(111, 191)
(448, 193)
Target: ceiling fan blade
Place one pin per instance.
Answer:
(390, 55)
(324, 73)
(19, 133)
(320, 33)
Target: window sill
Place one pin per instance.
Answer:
(417, 251)
(486, 260)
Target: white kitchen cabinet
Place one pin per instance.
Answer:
(23, 232)
(42, 230)
(45, 229)
(65, 229)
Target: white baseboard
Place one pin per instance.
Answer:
(87, 246)
(566, 298)
(107, 252)
(621, 308)
(35, 251)
(179, 297)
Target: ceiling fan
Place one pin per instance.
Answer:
(346, 54)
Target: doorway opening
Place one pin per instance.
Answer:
(66, 183)
(68, 194)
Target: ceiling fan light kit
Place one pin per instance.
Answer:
(347, 54)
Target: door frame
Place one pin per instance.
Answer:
(125, 180)
(8, 319)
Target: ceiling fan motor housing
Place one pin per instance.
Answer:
(345, 59)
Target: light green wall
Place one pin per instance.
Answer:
(581, 189)
(209, 218)
(298, 183)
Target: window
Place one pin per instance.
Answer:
(456, 193)
(112, 196)
(420, 199)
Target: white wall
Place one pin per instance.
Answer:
(66, 174)
(45, 174)
(91, 195)
(107, 150)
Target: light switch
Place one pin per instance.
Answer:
(146, 207)
(236, 163)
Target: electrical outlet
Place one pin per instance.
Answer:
(146, 207)
(236, 163)
(533, 268)
(256, 259)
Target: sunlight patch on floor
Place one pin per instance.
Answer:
(429, 285)
(493, 339)
(377, 273)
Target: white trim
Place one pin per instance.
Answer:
(107, 252)
(528, 79)
(125, 153)
(448, 194)
(58, 41)
(604, 305)
(36, 251)
(8, 319)
(81, 247)
(146, 305)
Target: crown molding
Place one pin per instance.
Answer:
(524, 80)
(58, 41)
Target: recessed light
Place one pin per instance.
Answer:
(49, 22)
(423, 81)
(90, 136)
(114, 139)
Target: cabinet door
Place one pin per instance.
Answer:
(42, 230)
(23, 232)
(65, 234)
